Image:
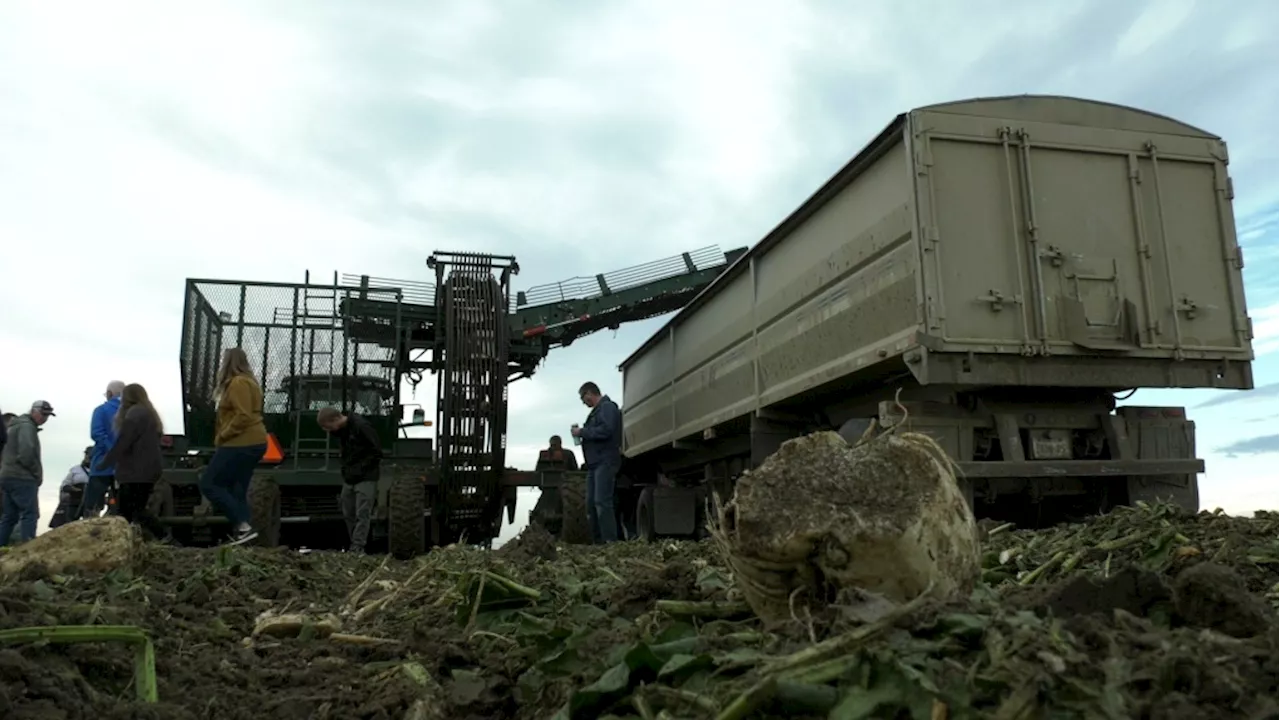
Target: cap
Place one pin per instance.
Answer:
(44, 407)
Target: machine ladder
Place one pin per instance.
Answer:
(319, 323)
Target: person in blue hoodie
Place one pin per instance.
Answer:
(102, 430)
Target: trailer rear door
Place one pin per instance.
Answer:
(1114, 236)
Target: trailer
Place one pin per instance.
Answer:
(994, 270)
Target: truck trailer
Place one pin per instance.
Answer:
(993, 270)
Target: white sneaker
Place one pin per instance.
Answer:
(242, 535)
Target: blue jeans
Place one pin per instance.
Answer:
(95, 495)
(21, 509)
(225, 481)
(601, 478)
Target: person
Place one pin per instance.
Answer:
(557, 453)
(5, 421)
(21, 473)
(361, 450)
(601, 436)
(102, 430)
(71, 493)
(137, 458)
(240, 441)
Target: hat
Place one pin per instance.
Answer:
(43, 406)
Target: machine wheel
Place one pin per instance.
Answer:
(574, 527)
(625, 501)
(406, 528)
(161, 503)
(264, 510)
(644, 516)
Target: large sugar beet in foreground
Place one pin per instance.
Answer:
(885, 516)
(94, 544)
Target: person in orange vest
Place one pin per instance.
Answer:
(240, 442)
(556, 452)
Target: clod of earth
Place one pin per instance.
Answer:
(1126, 623)
(885, 517)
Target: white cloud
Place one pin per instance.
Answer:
(1266, 330)
(1155, 22)
(143, 144)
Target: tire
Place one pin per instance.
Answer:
(264, 510)
(406, 513)
(574, 527)
(161, 503)
(644, 516)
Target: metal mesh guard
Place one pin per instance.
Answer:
(287, 330)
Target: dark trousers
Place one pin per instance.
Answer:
(225, 481)
(601, 481)
(357, 509)
(95, 495)
(70, 503)
(131, 501)
(21, 509)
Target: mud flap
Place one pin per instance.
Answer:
(1181, 490)
(670, 512)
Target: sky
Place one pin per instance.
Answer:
(142, 143)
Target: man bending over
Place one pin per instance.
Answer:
(361, 464)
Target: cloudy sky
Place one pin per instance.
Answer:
(142, 143)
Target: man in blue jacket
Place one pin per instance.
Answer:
(102, 430)
(601, 438)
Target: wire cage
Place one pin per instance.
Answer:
(300, 351)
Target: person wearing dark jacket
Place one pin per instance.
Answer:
(21, 473)
(361, 466)
(136, 457)
(601, 438)
(556, 453)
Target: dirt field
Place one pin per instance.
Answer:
(1142, 613)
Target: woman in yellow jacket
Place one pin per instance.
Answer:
(240, 443)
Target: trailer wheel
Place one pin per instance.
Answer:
(264, 510)
(644, 516)
(406, 512)
(574, 527)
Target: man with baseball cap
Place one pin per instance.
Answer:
(21, 473)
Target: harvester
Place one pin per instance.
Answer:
(352, 344)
